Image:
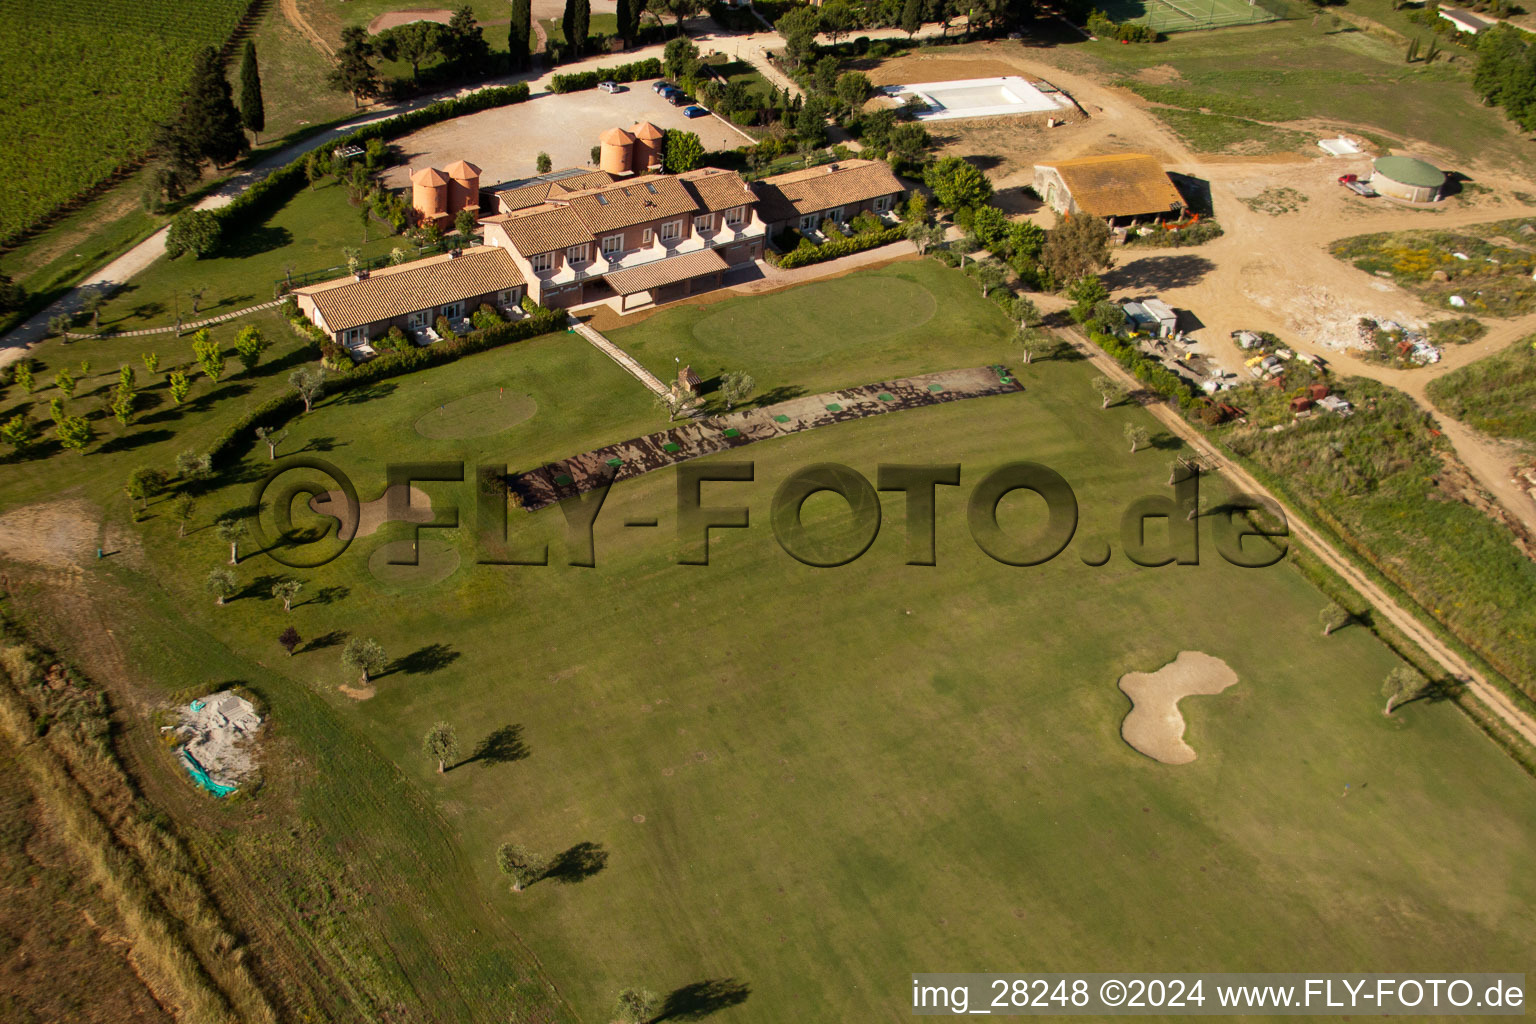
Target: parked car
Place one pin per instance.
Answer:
(694, 111)
(1354, 184)
(676, 97)
(661, 85)
(610, 87)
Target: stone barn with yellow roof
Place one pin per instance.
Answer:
(1121, 187)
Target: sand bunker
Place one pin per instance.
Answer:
(1154, 726)
(393, 507)
(391, 19)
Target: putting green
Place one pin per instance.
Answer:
(437, 561)
(800, 316)
(477, 415)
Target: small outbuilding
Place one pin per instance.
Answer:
(1121, 186)
(1404, 177)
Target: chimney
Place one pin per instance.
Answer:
(361, 275)
(454, 254)
(831, 168)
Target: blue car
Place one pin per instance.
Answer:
(695, 112)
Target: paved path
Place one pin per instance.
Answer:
(1453, 664)
(618, 355)
(557, 481)
(174, 328)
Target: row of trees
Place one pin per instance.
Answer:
(207, 126)
(1506, 73)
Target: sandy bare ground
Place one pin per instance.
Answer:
(394, 506)
(57, 535)
(1267, 272)
(1154, 725)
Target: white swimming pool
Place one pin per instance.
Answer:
(979, 97)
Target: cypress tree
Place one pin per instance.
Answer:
(518, 33)
(582, 25)
(568, 23)
(209, 119)
(252, 111)
(626, 30)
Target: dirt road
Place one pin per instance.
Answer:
(1417, 632)
(1271, 270)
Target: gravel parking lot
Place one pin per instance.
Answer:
(505, 143)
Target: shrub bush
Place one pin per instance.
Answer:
(579, 80)
(1146, 369)
(807, 254)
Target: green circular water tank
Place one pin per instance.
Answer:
(1408, 171)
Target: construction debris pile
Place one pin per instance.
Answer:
(217, 731)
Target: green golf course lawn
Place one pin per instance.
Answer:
(805, 784)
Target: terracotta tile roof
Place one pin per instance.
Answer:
(821, 188)
(1121, 185)
(520, 195)
(543, 228)
(646, 130)
(345, 303)
(669, 271)
(461, 170)
(713, 189)
(630, 202)
(616, 137)
(429, 176)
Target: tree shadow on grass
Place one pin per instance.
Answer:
(130, 442)
(425, 661)
(502, 746)
(357, 396)
(577, 864)
(773, 396)
(332, 639)
(261, 586)
(321, 444)
(253, 241)
(703, 999)
(327, 595)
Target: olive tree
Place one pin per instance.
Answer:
(441, 744)
(364, 656)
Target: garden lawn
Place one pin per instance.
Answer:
(895, 321)
(803, 784)
(308, 235)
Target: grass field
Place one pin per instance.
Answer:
(1314, 69)
(803, 784)
(1497, 395)
(306, 236)
(898, 320)
(141, 55)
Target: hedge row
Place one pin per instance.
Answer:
(578, 80)
(284, 183)
(837, 247)
(281, 408)
(1146, 369)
